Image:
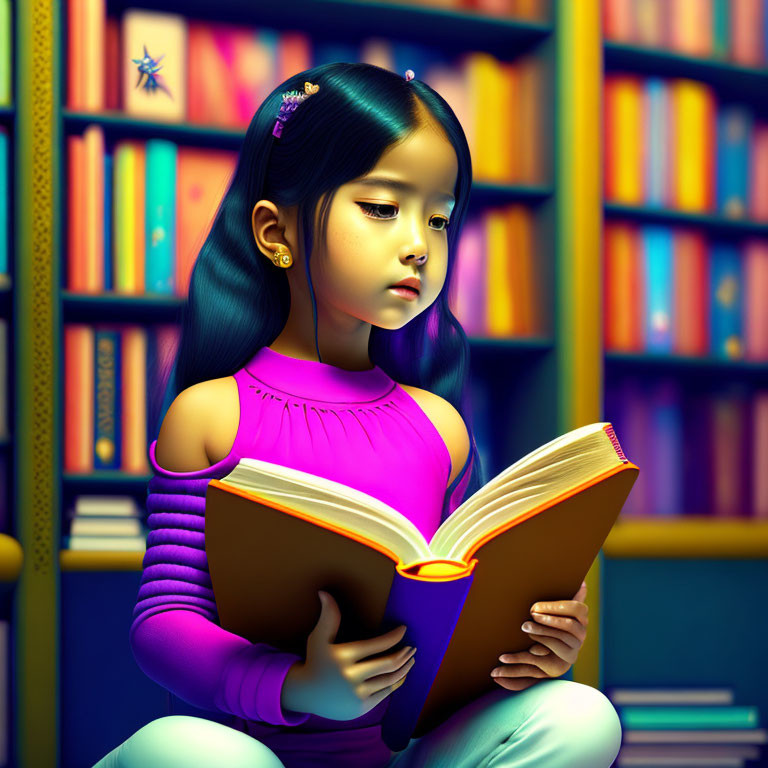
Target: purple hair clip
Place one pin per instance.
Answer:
(291, 100)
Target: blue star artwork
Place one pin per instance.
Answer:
(150, 67)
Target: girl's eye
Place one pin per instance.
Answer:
(374, 207)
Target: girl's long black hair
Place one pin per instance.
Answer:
(238, 300)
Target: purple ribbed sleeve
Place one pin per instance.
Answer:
(175, 636)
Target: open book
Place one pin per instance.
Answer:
(275, 536)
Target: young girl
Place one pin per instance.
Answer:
(298, 348)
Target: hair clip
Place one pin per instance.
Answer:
(409, 75)
(291, 100)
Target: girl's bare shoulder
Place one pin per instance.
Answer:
(200, 426)
(448, 422)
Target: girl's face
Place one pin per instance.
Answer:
(378, 226)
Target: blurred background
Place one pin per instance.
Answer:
(613, 267)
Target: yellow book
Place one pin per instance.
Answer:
(486, 83)
(499, 273)
(128, 218)
(627, 140)
(692, 112)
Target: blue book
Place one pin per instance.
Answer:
(5, 200)
(108, 281)
(725, 300)
(106, 422)
(658, 268)
(656, 140)
(734, 136)
(160, 216)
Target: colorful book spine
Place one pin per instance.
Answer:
(665, 492)
(160, 216)
(623, 289)
(726, 301)
(691, 292)
(106, 454)
(6, 53)
(657, 259)
(755, 258)
(655, 121)
(734, 129)
(5, 200)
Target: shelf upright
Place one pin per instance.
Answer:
(36, 506)
(578, 299)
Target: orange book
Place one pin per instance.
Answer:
(93, 209)
(203, 177)
(690, 332)
(75, 54)
(690, 26)
(623, 288)
(618, 20)
(94, 24)
(79, 397)
(522, 264)
(510, 116)
(133, 371)
(747, 32)
(531, 533)
(531, 127)
(76, 262)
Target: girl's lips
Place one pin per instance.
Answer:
(407, 293)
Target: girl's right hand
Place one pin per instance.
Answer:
(333, 682)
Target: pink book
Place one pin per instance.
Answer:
(467, 288)
(758, 192)
(617, 21)
(747, 32)
(755, 318)
(690, 332)
(760, 454)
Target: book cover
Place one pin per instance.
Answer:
(691, 293)
(133, 368)
(78, 398)
(106, 449)
(160, 216)
(624, 134)
(755, 256)
(655, 140)
(726, 299)
(758, 190)
(623, 288)
(305, 534)
(734, 131)
(658, 280)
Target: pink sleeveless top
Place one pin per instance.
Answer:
(359, 428)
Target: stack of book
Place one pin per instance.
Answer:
(106, 523)
(686, 727)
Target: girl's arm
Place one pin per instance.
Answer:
(175, 636)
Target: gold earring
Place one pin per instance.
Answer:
(282, 257)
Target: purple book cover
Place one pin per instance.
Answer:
(666, 437)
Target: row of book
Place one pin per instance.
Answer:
(671, 143)
(727, 30)
(496, 289)
(702, 450)
(673, 290)
(697, 727)
(114, 383)
(524, 10)
(138, 214)
(219, 74)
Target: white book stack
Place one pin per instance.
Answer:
(106, 523)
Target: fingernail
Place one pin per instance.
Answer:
(527, 626)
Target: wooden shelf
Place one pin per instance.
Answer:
(712, 223)
(85, 560)
(688, 537)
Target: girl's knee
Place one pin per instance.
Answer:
(587, 722)
(181, 741)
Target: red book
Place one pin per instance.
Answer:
(758, 192)
(623, 288)
(690, 331)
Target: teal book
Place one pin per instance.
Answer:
(658, 266)
(721, 29)
(726, 301)
(160, 216)
(701, 717)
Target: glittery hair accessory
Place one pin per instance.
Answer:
(291, 100)
(409, 75)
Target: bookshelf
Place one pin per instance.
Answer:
(548, 384)
(662, 574)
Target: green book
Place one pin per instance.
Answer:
(5, 52)
(648, 718)
(720, 29)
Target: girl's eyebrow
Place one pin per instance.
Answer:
(401, 185)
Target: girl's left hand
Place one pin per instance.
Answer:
(560, 629)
